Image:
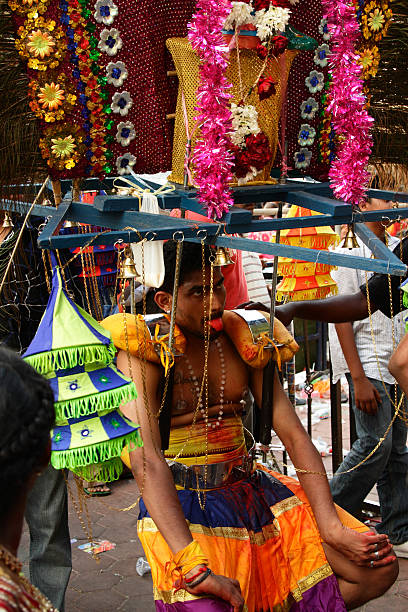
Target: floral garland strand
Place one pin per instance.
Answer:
(348, 173)
(212, 157)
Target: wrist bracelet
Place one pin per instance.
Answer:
(196, 575)
(201, 579)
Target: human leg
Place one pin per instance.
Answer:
(358, 585)
(50, 547)
(392, 486)
(350, 489)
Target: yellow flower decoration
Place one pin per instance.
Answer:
(40, 44)
(369, 61)
(64, 146)
(51, 96)
(376, 19)
(69, 164)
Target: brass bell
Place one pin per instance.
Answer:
(7, 220)
(222, 257)
(70, 224)
(128, 268)
(350, 240)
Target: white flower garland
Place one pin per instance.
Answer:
(270, 21)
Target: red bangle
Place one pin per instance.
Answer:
(195, 576)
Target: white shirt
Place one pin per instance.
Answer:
(256, 284)
(349, 280)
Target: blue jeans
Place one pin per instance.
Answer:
(50, 545)
(388, 467)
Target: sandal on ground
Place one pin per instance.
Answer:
(100, 490)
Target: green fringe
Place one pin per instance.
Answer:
(102, 472)
(101, 402)
(99, 461)
(405, 298)
(63, 359)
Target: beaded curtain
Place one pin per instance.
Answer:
(98, 81)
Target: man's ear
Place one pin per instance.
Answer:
(163, 300)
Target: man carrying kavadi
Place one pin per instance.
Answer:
(220, 533)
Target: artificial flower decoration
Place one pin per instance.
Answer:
(105, 11)
(348, 173)
(116, 73)
(121, 103)
(270, 21)
(315, 81)
(40, 44)
(124, 163)
(125, 133)
(51, 96)
(324, 30)
(258, 150)
(29, 6)
(110, 41)
(63, 146)
(321, 55)
(240, 14)
(244, 123)
(266, 87)
(262, 51)
(306, 135)
(308, 108)
(279, 44)
(376, 19)
(369, 61)
(302, 158)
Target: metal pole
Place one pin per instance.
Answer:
(175, 293)
(336, 427)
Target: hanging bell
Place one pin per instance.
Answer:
(70, 224)
(128, 268)
(7, 220)
(350, 240)
(222, 257)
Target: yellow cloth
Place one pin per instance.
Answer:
(225, 441)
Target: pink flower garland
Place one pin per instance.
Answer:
(212, 157)
(351, 121)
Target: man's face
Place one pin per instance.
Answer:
(190, 302)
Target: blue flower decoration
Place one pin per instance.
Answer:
(116, 73)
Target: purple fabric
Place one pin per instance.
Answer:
(198, 605)
(323, 596)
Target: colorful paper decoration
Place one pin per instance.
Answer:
(76, 355)
(305, 280)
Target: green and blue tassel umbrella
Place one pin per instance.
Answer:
(76, 355)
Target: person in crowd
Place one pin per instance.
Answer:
(23, 300)
(26, 418)
(218, 533)
(372, 389)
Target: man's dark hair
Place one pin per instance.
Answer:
(191, 261)
(26, 418)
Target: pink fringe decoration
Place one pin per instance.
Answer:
(348, 173)
(212, 157)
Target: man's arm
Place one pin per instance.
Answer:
(340, 309)
(366, 395)
(355, 546)
(398, 364)
(155, 480)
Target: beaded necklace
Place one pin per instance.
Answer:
(196, 384)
